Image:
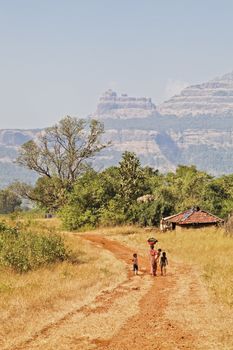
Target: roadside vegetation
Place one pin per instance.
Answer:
(39, 296)
(24, 251)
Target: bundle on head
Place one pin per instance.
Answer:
(152, 241)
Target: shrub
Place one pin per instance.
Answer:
(74, 218)
(113, 214)
(27, 251)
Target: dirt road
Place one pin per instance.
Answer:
(144, 312)
(150, 328)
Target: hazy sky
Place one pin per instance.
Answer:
(58, 56)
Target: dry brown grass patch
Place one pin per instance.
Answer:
(30, 301)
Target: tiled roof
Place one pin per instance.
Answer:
(193, 216)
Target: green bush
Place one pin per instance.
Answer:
(113, 214)
(27, 251)
(74, 218)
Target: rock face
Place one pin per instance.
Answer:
(195, 127)
(214, 98)
(126, 123)
(123, 107)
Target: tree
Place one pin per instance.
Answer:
(215, 198)
(9, 201)
(59, 156)
(91, 194)
(49, 193)
(130, 177)
(62, 150)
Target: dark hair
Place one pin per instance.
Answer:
(135, 255)
(159, 250)
(164, 253)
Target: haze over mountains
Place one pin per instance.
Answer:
(194, 127)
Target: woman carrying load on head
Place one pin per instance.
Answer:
(153, 256)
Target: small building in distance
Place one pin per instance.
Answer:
(192, 218)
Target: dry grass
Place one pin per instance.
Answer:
(209, 250)
(30, 301)
(206, 256)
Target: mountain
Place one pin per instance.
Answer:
(10, 140)
(214, 98)
(194, 127)
(128, 123)
(123, 107)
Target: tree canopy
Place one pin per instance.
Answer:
(9, 201)
(59, 156)
(110, 197)
(63, 150)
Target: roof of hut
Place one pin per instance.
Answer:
(193, 216)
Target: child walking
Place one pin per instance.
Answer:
(135, 263)
(163, 264)
(159, 252)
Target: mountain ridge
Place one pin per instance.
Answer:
(214, 97)
(194, 127)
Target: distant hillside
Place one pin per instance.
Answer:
(10, 140)
(195, 127)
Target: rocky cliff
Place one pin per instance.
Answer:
(214, 98)
(195, 127)
(123, 107)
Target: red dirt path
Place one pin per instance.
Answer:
(150, 329)
(142, 313)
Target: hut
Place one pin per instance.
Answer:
(192, 218)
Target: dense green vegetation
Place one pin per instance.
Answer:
(85, 198)
(24, 251)
(110, 197)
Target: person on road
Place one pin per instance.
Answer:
(135, 263)
(153, 260)
(163, 264)
(157, 260)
